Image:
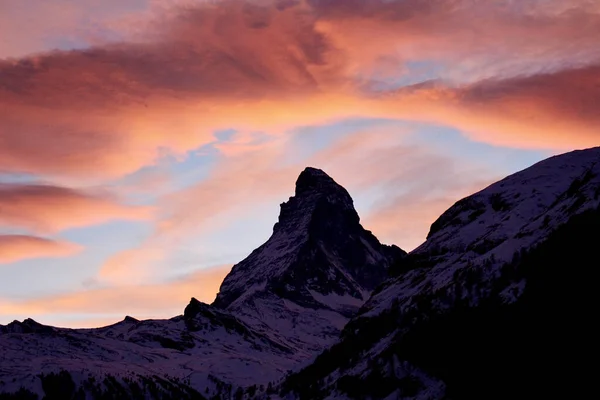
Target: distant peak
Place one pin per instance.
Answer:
(313, 179)
(195, 302)
(194, 307)
(27, 326)
(130, 319)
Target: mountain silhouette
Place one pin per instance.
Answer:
(496, 303)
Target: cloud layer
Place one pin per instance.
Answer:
(110, 109)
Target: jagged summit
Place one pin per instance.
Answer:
(317, 228)
(319, 257)
(316, 193)
(314, 179)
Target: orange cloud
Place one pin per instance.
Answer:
(27, 25)
(108, 110)
(46, 208)
(20, 247)
(152, 301)
(136, 265)
(564, 101)
(473, 39)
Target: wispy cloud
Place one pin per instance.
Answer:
(21, 247)
(48, 209)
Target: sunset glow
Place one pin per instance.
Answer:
(145, 145)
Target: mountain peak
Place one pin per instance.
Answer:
(314, 179)
(319, 257)
(318, 199)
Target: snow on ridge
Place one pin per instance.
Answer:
(147, 348)
(488, 227)
(335, 301)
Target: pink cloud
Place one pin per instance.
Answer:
(46, 208)
(30, 24)
(136, 265)
(552, 110)
(21, 247)
(110, 109)
(523, 74)
(472, 39)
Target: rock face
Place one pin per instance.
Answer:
(318, 267)
(471, 312)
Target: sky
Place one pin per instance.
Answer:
(146, 145)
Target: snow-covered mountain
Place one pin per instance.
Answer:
(276, 310)
(315, 271)
(496, 304)
(203, 352)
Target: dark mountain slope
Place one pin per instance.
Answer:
(496, 304)
(536, 347)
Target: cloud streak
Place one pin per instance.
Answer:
(49, 209)
(21, 247)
